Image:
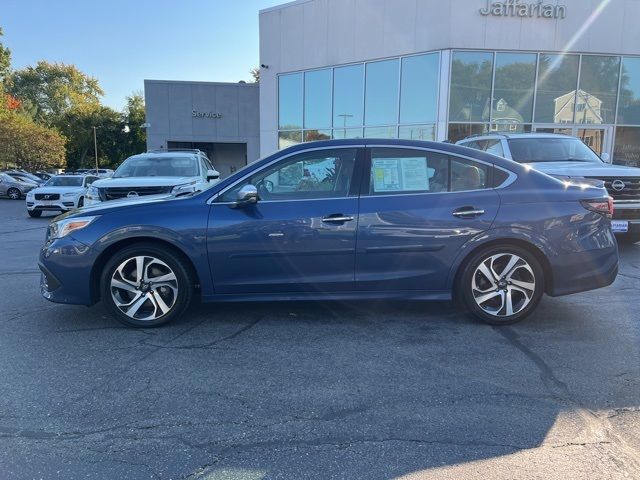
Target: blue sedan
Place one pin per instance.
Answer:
(337, 220)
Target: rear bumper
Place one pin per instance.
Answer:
(580, 272)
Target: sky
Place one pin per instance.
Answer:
(121, 43)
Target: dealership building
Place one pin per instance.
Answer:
(420, 69)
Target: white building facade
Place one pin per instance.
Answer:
(446, 69)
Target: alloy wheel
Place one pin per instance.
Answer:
(144, 288)
(503, 285)
(14, 194)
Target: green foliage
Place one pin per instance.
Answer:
(26, 144)
(54, 89)
(5, 61)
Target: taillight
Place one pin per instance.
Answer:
(599, 205)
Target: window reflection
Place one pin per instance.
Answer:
(629, 107)
(313, 135)
(419, 88)
(343, 133)
(289, 138)
(627, 146)
(471, 74)
(458, 131)
(381, 132)
(290, 101)
(557, 80)
(513, 92)
(381, 103)
(596, 99)
(317, 99)
(347, 96)
(417, 132)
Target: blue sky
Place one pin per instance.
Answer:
(123, 42)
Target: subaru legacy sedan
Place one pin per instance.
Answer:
(339, 220)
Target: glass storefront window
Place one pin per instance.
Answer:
(313, 135)
(596, 99)
(471, 74)
(417, 132)
(458, 131)
(317, 99)
(290, 101)
(627, 146)
(342, 133)
(381, 132)
(556, 95)
(629, 106)
(347, 96)
(515, 78)
(510, 128)
(419, 88)
(289, 138)
(381, 90)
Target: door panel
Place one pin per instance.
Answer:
(300, 235)
(283, 246)
(407, 241)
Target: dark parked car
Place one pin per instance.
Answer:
(341, 219)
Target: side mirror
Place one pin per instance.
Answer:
(212, 175)
(247, 195)
(605, 157)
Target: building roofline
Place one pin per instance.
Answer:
(226, 84)
(283, 5)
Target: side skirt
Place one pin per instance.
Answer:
(441, 295)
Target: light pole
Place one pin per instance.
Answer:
(95, 147)
(344, 122)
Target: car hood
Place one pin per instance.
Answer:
(114, 205)
(584, 169)
(57, 189)
(142, 182)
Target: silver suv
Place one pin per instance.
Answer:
(155, 173)
(14, 188)
(568, 158)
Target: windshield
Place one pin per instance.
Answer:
(158, 167)
(22, 178)
(551, 149)
(64, 182)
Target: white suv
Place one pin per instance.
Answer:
(155, 173)
(567, 158)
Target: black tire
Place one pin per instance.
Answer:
(34, 213)
(14, 194)
(184, 278)
(81, 202)
(465, 290)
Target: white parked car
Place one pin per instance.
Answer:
(569, 159)
(155, 173)
(60, 193)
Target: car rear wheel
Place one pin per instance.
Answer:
(34, 213)
(501, 285)
(13, 194)
(146, 285)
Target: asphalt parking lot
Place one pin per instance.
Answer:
(315, 390)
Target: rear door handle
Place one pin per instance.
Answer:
(468, 212)
(337, 218)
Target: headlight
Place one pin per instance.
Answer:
(64, 227)
(69, 194)
(185, 187)
(92, 193)
(30, 195)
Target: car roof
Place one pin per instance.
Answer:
(169, 153)
(515, 135)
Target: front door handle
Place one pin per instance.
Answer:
(468, 212)
(337, 218)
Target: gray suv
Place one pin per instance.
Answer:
(569, 159)
(14, 188)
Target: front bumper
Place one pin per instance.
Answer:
(61, 205)
(66, 266)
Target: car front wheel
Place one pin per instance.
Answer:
(13, 194)
(146, 285)
(501, 285)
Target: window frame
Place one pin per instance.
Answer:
(354, 186)
(366, 173)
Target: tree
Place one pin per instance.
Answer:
(5, 60)
(134, 117)
(54, 89)
(255, 73)
(26, 144)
